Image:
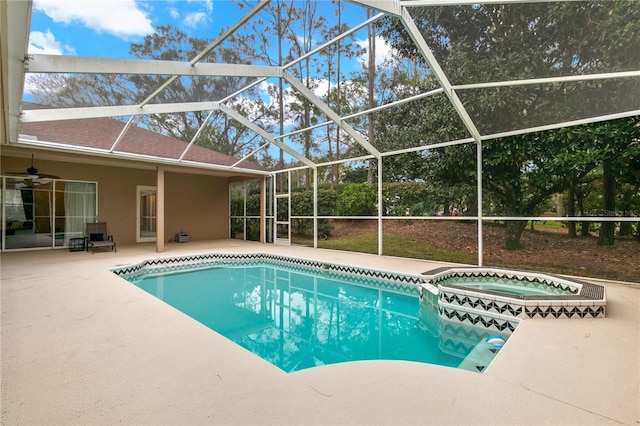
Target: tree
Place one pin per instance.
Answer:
(167, 43)
(279, 16)
(619, 145)
(302, 42)
(330, 66)
(80, 90)
(513, 41)
(371, 79)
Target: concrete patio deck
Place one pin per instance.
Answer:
(82, 346)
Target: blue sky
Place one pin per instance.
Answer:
(106, 28)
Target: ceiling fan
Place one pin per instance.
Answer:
(31, 177)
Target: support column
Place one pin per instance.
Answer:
(315, 208)
(479, 188)
(160, 210)
(380, 207)
(263, 210)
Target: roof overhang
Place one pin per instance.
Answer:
(64, 153)
(15, 21)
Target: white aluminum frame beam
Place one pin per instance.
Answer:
(440, 75)
(548, 80)
(55, 114)
(223, 36)
(335, 39)
(425, 3)
(395, 8)
(41, 63)
(193, 139)
(563, 124)
(211, 46)
(229, 31)
(125, 129)
(388, 6)
(244, 121)
(298, 85)
(252, 153)
(367, 111)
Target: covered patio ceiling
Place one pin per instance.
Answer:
(465, 97)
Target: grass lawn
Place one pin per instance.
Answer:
(396, 245)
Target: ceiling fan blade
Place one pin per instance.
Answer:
(32, 173)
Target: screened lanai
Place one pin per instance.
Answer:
(365, 114)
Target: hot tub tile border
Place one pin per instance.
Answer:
(589, 300)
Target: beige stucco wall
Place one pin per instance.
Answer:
(196, 204)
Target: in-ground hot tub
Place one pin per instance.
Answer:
(499, 299)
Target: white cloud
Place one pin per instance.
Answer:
(384, 51)
(121, 18)
(194, 18)
(46, 43)
(173, 12)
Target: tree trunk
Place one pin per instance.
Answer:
(607, 229)
(371, 81)
(307, 135)
(280, 93)
(584, 226)
(513, 232)
(336, 167)
(571, 207)
(626, 228)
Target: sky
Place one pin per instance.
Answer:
(106, 28)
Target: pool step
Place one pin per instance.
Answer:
(480, 357)
(492, 321)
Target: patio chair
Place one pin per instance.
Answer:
(97, 237)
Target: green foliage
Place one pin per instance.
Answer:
(478, 43)
(408, 198)
(302, 202)
(357, 199)
(253, 205)
(396, 245)
(237, 206)
(353, 175)
(253, 230)
(302, 205)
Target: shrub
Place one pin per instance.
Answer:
(357, 199)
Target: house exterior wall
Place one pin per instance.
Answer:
(195, 204)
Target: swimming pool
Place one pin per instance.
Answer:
(298, 316)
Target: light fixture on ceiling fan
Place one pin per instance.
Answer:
(31, 177)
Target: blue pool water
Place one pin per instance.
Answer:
(509, 286)
(299, 319)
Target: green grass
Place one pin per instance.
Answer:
(393, 245)
(547, 224)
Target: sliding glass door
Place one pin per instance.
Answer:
(45, 213)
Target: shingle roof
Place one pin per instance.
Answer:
(101, 133)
